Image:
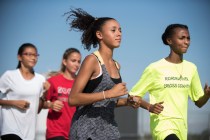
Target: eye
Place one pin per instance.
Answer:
(181, 38)
(31, 54)
(113, 30)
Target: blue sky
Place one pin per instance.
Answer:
(143, 22)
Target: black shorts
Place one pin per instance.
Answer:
(171, 137)
(10, 137)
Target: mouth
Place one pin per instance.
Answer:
(119, 40)
(185, 48)
(75, 69)
(32, 62)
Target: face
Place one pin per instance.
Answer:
(29, 57)
(72, 63)
(180, 41)
(110, 34)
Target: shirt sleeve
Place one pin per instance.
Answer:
(196, 87)
(4, 83)
(144, 84)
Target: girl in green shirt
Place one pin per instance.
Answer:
(170, 81)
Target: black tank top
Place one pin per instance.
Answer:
(96, 121)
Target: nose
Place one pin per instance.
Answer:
(187, 41)
(119, 32)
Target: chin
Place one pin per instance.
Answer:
(32, 65)
(117, 46)
(74, 71)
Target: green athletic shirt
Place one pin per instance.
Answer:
(172, 84)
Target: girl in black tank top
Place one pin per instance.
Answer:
(98, 85)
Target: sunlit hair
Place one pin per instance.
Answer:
(80, 20)
(66, 54)
(52, 73)
(22, 49)
(169, 31)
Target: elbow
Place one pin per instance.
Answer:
(72, 102)
(198, 104)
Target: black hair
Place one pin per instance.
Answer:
(22, 49)
(66, 54)
(169, 31)
(79, 20)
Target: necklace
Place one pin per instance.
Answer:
(180, 72)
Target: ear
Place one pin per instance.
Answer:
(169, 41)
(19, 58)
(64, 62)
(99, 35)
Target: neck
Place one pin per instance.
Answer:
(26, 73)
(174, 58)
(68, 75)
(106, 53)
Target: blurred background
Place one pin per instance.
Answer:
(42, 23)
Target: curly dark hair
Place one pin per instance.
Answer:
(169, 31)
(79, 20)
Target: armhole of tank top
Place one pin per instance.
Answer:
(99, 64)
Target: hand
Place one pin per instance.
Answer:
(117, 91)
(157, 108)
(21, 104)
(207, 90)
(134, 101)
(57, 105)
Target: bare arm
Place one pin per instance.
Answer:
(122, 102)
(137, 101)
(41, 103)
(57, 105)
(90, 69)
(156, 108)
(42, 99)
(20, 104)
(203, 100)
(129, 101)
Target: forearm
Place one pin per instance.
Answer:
(122, 102)
(41, 102)
(202, 101)
(86, 98)
(47, 105)
(145, 104)
(7, 102)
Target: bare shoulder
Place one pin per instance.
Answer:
(90, 60)
(89, 65)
